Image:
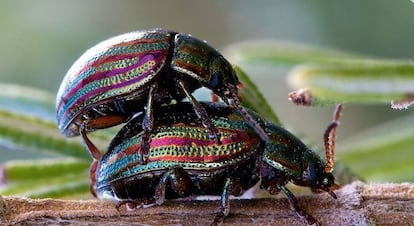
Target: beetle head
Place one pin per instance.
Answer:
(324, 179)
(318, 179)
(223, 79)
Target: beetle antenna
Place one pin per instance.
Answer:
(330, 138)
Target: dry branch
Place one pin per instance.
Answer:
(357, 204)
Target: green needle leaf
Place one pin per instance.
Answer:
(26, 170)
(70, 184)
(364, 82)
(285, 54)
(28, 133)
(28, 101)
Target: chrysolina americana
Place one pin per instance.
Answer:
(183, 161)
(137, 71)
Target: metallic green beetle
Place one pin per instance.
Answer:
(137, 71)
(183, 161)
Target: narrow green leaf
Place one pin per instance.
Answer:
(364, 82)
(70, 184)
(24, 170)
(22, 132)
(328, 77)
(27, 122)
(28, 101)
(285, 54)
(29, 133)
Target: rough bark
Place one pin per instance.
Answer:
(357, 204)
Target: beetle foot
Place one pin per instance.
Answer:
(92, 177)
(119, 204)
(179, 181)
(294, 205)
(218, 219)
(131, 205)
(308, 218)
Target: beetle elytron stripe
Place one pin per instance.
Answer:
(138, 71)
(183, 161)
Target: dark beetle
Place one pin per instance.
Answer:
(133, 72)
(183, 160)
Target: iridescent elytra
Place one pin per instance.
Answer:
(138, 71)
(183, 161)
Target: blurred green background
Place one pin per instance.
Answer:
(41, 39)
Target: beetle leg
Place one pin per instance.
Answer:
(294, 205)
(224, 201)
(92, 149)
(235, 103)
(231, 187)
(96, 155)
(179, 181)
(201, 113)
(92, 177)
(130, 204)
(147, 126)
(102, 122)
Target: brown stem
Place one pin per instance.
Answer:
(357, 204)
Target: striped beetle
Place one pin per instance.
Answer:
(183, 161)
(134, 72)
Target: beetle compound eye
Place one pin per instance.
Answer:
(325, 181)
(328, 180)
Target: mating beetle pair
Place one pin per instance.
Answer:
(137, 71)
(166, 152)
(183, 161)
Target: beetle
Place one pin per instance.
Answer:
(134, 72)
(183, 161)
